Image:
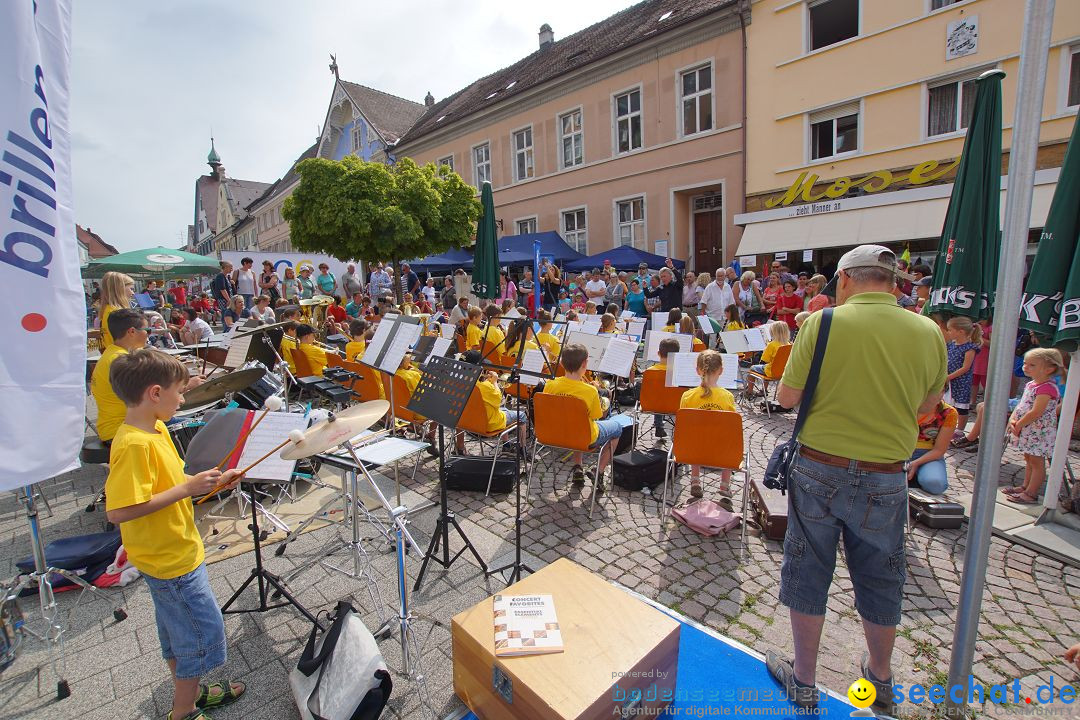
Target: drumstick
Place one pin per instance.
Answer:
(294, 436)
(272, 404)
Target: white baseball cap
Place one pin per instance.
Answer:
(877, 256)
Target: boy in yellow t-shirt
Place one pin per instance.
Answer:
(708, 396)
(551, 344)
(289, 343)
(356, 347)
(605, 432)
(473, 334)
(498, 417)
(149, 497)
(315, 355)
(128, 329)
(779, 335)
(493, 333)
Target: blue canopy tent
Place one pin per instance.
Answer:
(623, 258)
(518, 249)
(444, 262)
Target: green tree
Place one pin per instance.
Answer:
(369, 211)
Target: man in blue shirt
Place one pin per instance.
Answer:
(353, 308)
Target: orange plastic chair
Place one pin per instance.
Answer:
(369, 385)
(710, 438)
(779, 362)
(656, 398)
(401, 397)
(474, 421)
(562, 422)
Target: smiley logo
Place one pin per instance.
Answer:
(862, 693)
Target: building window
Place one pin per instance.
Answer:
(575, 232)
(481, 165)
(526, 226)
(573, 139)
(357, 140)
(832, 21)
(697, 97)
(834, 132)
(631, 222)
(523, 155)
(938, 4)
(949, 106)
(628, 121)
(448, 161)
(1073, 94)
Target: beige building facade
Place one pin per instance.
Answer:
(857, 111)
(636, 142)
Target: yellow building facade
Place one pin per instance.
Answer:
(856, 113)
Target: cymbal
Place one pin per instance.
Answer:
(216, 388)
(319, 300)
(329, 434)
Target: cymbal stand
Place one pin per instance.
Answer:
(281, 366)
(54, 625)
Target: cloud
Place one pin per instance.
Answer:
(150, 81)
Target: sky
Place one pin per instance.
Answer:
(152, 80)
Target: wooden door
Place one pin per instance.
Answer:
(708, 241)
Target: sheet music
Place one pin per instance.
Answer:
(271, 431)
(403, 339)
(238, 350)
(440, 347)
(766, 331)
(653, 338)
(595, 344)
(636, 327)
(659, 320)
(510, 314)
(729, 378)
(447, 330)
(570, 327)
(587, 320)
(618, 358)
(682, 370)
(756, 340)
(735, 341)
(706, 324)
(626, 314)
(375, 345)
(531, 362)
(589, 329)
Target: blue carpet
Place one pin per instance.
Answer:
(717, 679)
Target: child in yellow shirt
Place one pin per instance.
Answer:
(667, 346)
(289, 343)
(356, 347)
(607, 323)
(551, 344)
(493, 333)
(473, 334)
(780, 335)
(498, 417)
(687, 326)
(708, 396)
(673, 317)
(315, 355)
(149, 497)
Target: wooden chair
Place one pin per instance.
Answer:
(562, 422)
(779, 362)
(656, 399)
(709, 438)
(474, 422)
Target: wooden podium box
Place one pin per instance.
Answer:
(620, 654)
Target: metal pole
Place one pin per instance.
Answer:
(1034, 48)
(1061, 442)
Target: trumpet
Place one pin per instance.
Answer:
(329, 348)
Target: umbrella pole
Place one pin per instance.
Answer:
(1034, 48)
(1061, 443)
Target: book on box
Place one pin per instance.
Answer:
(526, 625)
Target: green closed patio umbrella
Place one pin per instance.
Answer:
(1051, 304)
(965, 273)
(485, 278)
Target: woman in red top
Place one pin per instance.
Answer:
(788, 304)
(770, 293)
(814, 299)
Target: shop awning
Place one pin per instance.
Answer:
(878, 225)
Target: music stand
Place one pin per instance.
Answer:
(441, 395)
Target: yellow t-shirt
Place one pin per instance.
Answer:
(718, 399)
(495, 335)
(529, 345)
(316, 357)
(473, 336)
(411, 376)
(354, 349)
(579, 389)
(492, 398)
(669, 328)
(106, 336)
(111, 409)
(697, 345)
(288, 343)
(550, 343)
(768, 354)
(164, 544)
(735, 325)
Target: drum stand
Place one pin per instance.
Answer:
(54, 629)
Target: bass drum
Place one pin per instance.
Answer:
(253, 396)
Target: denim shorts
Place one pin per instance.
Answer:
(610, 429)
(513, 416)
(189, 623)
(868, 510)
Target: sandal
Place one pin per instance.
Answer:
(695, 490)
(961, 441)
(197, 715)
(725, 491)
(1022, 498)
(577, 475)
(219, 694)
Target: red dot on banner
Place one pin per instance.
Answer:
(34, 322)
(1027, 700)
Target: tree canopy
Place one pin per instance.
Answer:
(369, 211)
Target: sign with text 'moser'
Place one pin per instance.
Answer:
(802, 190)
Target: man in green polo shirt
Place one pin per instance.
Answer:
(883, 366)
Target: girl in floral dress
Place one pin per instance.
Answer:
(1034, 421)
(964, 340)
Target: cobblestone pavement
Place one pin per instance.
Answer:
(1030, 613)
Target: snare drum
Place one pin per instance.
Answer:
(253, 396)
(11, 631)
